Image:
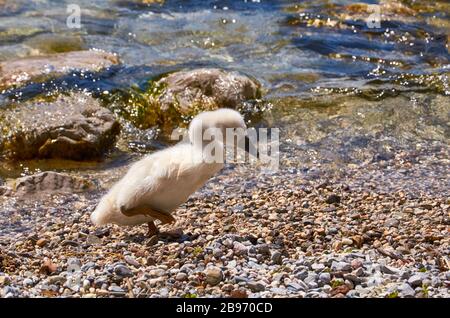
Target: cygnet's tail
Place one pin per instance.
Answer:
(102, 213)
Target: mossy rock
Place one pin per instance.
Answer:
(49, 43)
(175, 98)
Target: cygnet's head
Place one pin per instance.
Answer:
(229, 123)
(223, 119)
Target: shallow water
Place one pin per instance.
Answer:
(340, 91)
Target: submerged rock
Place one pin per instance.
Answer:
(207, 88)
(179, 96)
(390, 10)
(71, 127)
(18, 72)
(49, 43)
(51, 181)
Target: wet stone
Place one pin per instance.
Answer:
(71, 127)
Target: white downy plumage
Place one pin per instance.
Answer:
(165, 179)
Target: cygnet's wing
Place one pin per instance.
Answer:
(164, 217)
(144, 179)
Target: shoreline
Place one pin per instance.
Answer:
(244, 234)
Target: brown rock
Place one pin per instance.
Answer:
(206, 88)
(41, 242)
(337, 245)
(50, 181)
(343, 289)
(333, 199)
(151, 261)
(358, 240)
(213, 276)
(153, 240)
(238, 293)
(170, 101)
(356, 263)
(71, 127)
(48, 267)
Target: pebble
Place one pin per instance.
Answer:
(415, 280)
(353, 278)
(406, 290)
(213, 276)
(256, 286)
(356, 263)
(358, 272)
(217, 252)
(56, 279)
(391, 223)
(318, 267)
(69, 243)
(388, 270)
(333, 198)
(153, 240)
(130, 260)
(5, 280)
(159, 272)
(240, 279)
(238, 293)
(151, 261)
(181, 276)
(93, 240)
(276, 258)
(116, 289)
(122, 271)
(347, 241)
(341, 266)
(73, 264)
(301, 274)
(325, 278)
(87, 266)
(239, 248)
(232, 264)
(311, 279)
(298, 286)
(86, 284)
(41, 242)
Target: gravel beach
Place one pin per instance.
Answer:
(248, 233)
(359, 206)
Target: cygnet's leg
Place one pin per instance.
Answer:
(164, 217)
(152, 229)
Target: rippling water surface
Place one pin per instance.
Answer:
(341, 91)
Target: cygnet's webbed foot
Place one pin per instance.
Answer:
(152, 229)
